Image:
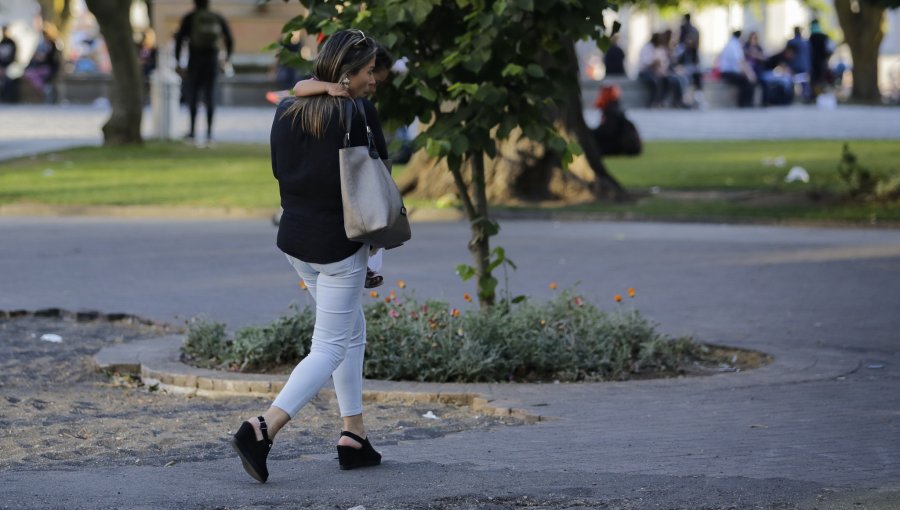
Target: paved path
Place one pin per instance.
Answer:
(819, 428)
(28, 129)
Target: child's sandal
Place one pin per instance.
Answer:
(373, 279)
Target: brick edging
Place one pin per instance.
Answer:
(157, 362)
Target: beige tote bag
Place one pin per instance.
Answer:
(373, 207)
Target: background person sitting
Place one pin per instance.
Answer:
(653, 71)
(734, 69)
(778, 85)
(44, 66)
(616, 135)
(8, 50)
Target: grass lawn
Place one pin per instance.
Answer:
(734, 165)
(234, 175)
(229, 175)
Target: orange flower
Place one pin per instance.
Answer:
(618, 298)
(467, 297)
(387, 300)
(631, 292)
(553, 285)
(303, 285)
(393, 295)
(401, 284)
(454, 312)
(374, 294)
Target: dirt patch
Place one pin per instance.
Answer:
(57, 411)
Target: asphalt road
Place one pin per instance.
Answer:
(816, 429)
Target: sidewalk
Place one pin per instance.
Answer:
(27, 129)
(818, 428)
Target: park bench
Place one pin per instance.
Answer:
(717, 94)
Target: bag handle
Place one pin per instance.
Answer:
(350, 107)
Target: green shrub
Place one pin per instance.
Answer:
(205, 340)
(565, 339)
(863, 184)
(285, 341)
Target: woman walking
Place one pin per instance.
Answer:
(306, 136)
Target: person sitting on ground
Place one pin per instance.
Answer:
(776, 76)
(616, 135)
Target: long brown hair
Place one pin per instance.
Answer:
(344, 53)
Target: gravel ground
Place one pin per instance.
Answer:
(57, 412)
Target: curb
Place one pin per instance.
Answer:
(416, 214)
(185, 212)
(157, 362)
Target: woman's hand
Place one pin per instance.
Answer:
(336, 90)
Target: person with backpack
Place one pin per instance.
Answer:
(205, 31)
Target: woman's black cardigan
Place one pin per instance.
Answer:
(308, 173)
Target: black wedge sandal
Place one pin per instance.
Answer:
(352, 458)
(253, 453)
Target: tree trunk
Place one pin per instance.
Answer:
(861, 23)
(480, 244)
(524, 171)
(124, 125)
(573, 119)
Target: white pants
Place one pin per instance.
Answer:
(339, 336)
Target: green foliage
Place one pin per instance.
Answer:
(863, 184)
(205, 340)
(475, 66)
(566, 339)
(253, 348)
(477, 71)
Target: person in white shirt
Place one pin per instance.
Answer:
(734, 69)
